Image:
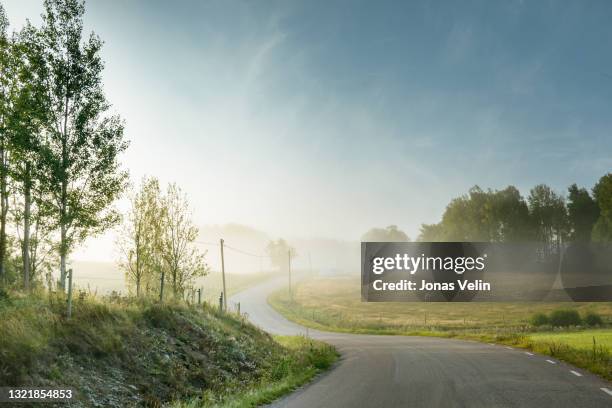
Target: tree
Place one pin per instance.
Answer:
(511, 216)
(26, 123)
(182, 259)
(489, 216)
(140, 236)
(583, 213)
(388, 234)
(549, 215)
(6, 106)
(81, 143)
(602, 192)
(431, 233)
(279, 252)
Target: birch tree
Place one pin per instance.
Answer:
(82, 142)
(184, 262)
(139, 242)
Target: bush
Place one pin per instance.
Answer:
(564, 318)
(593, 319)
(539, 319)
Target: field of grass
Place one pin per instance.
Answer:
(584, 339)
(334, 304)
(117, 352)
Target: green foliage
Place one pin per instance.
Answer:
(583, 212)
(593, 319)
(565, 318)
(539, 319)
(82, 141)
(602, 192)
(388, 234)
(498, 216)
(548, 213)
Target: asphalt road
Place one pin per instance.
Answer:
(405, 371)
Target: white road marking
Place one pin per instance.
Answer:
(551, 362)
(576, 373)
(607, 391)
(528, 353)
(509, 348)
(491, 344)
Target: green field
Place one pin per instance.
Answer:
(580, 339)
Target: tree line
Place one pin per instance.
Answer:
(545, 216)
(59, 144)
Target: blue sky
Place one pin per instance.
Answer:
(325, 118)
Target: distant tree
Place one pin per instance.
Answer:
(279, 251)
(549, 215)
(431, 233)
(583, 213)
(140, 235)
(602, 231)
(510, 214)
(388, 234)
(82, 142)
(482, 215)
(182, 259)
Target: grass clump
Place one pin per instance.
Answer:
(565, 318)
(539, 319)
(593, 319)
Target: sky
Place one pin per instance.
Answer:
(327, 118)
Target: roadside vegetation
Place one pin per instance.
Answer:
(118, 352)
(579, 333)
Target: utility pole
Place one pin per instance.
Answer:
(289, 264)
(223, 275)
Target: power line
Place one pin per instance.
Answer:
(241, 251)
(246, 253)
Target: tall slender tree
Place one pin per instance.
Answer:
(602, 192)
(549, 215)
(6, 106)
(583, 213)
(82, 142)
(26, 124)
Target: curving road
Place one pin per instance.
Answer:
(404, 371)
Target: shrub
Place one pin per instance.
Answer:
(564, 318)
(593, 319)
(539, 319)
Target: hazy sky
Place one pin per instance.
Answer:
(325, 118)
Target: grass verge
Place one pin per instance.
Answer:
(308, 358)
(120, 352)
